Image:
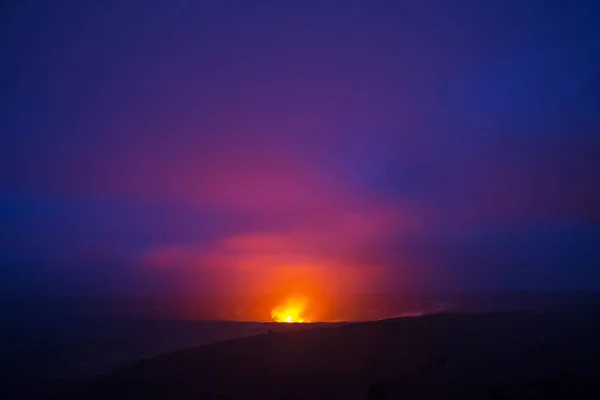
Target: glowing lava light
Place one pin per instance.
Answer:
(291, 310)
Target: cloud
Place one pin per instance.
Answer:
(239, 147)
(321, 230)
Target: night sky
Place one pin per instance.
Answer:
(176, 146)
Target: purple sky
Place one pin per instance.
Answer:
(188, 146)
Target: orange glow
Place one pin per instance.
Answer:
(291, 310)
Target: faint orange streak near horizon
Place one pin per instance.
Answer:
(291, 310)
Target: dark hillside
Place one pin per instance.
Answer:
(503, 355)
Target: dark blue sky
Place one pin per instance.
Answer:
(188, 146)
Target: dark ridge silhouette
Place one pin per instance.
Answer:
(446, 356)
(376, 392)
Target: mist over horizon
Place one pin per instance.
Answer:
(43, 311)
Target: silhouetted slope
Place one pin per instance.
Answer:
(522, 355)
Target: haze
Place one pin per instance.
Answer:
(298, 149)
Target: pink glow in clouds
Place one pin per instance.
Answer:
(311, 240)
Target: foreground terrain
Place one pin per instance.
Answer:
(495, 356)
